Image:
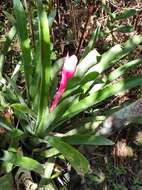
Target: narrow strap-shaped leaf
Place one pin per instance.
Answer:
(107, 91)
(91, 64)
(21, 26)
(49, 166)
(49, 153)
(125, 28)
(77, 160)
(45, 52)
(89, 61)
(84, 126)
(116, 53)
(88, 139)
(122, 69)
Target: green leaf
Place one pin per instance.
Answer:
(21, 26)
(86, 63)
(8, 92)
(89, 77)
(77, 160)
(116, 53)
(45, 53)
(23, 161)
(122, 69)
(49, 153)
(126, 14)
(90, 62)
(125, 28)
(84, 126)
(6, 182)
(23, 108)
(90, 59)
(49, 166)
(50, 118)
(107, 91)
(16, 133)
(89, 139)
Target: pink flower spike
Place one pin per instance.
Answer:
(68, 71)
(69, 66)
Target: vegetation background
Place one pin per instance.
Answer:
(39, 147)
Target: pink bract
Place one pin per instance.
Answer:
(68, 71)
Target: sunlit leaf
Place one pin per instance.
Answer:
(122, 69)
(45, 53)
(116, 53)
(86, 63)
(85, 125)
(50, 152)
(89, 60)
(107, 91)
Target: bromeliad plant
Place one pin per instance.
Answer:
(37, 122)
